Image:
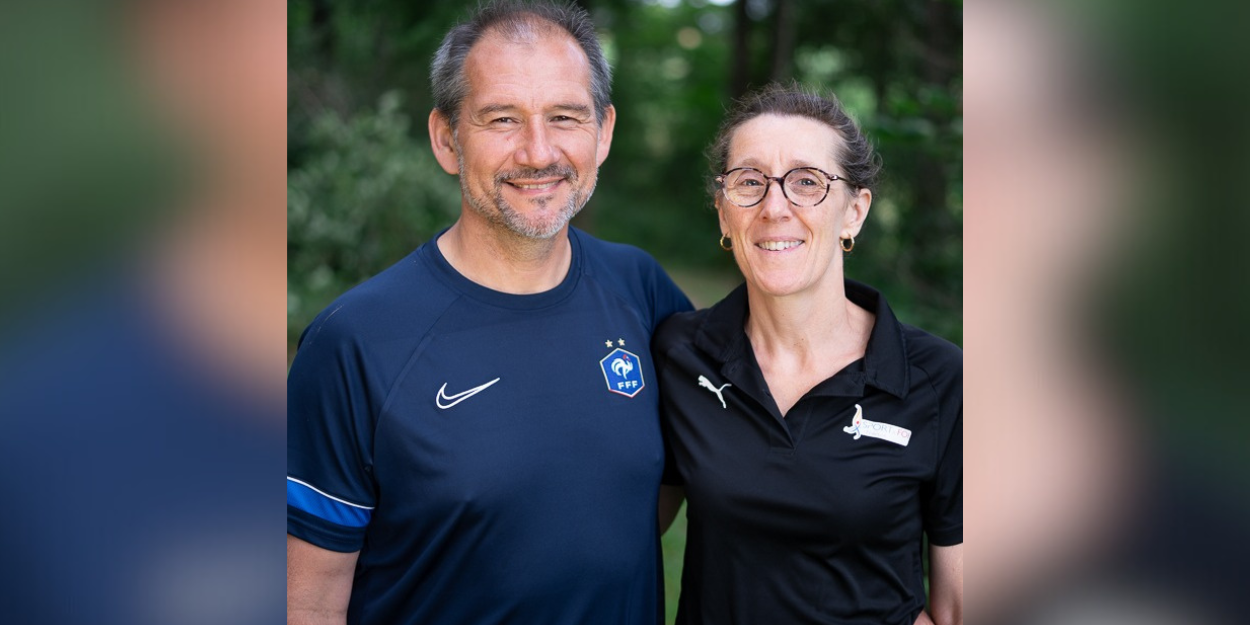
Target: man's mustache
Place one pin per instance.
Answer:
(554, 171)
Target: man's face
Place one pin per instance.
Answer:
(527, 143)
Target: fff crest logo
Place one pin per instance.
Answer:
(623, 372)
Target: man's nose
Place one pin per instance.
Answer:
(535, 149)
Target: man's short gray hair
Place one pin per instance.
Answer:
(515, 19)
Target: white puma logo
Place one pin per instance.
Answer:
(707, 384)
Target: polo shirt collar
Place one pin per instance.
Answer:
(884, 366)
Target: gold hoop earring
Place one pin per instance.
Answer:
(847, 248)
(723, 238)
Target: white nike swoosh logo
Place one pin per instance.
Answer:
(452, 400)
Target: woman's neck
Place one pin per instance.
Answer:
(802, 339)
(806, 327)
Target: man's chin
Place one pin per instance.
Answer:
(531, 203)
(538, 231)
(544, 225)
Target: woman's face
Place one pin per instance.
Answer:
(784, 249)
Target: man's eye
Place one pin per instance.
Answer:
(749, 183)
(502, 120)
(562, 118)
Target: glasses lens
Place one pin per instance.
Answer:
(745, 186)
(806, 187)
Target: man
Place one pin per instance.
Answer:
(473, 433)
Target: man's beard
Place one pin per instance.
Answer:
(498, 211)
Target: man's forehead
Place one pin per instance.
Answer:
(551, 57)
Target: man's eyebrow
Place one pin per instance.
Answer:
(495, 108)
(572, 107)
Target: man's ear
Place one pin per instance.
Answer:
(605, 134)
(443, 143)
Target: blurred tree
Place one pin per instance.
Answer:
(367, 196)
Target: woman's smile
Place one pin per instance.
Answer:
(779, 245)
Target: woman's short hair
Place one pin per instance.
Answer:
(860, 163)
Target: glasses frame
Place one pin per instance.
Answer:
(781, 182)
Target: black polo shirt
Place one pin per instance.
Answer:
(817, 517)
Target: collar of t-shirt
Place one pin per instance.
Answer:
(884, 365)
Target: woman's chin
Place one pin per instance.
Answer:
(777, 286)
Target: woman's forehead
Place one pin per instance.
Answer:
(788, 140)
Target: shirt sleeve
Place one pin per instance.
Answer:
(671, 476)
(943, 498)
(330, 492)
(659, 355)
(667, 298)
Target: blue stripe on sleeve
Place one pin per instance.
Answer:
(323, 506)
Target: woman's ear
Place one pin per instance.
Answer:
(856, 213)
(443, 142)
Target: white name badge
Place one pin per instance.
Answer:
(885, 432)
(876, 429)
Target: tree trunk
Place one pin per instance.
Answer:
(323, 30)
(740, 66)
(783, 42)
(932, 220)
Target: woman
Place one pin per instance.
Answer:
(818, 440)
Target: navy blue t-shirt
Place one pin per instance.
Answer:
(495, 458)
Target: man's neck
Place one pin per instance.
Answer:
(501, 260)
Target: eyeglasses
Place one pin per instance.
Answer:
(802, 186)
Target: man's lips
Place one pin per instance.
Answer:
(535, 185)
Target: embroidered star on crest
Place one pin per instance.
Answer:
(607, 343)
(620, 342)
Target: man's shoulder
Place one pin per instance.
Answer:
(614, 256)
(389, 302)
(633, 275)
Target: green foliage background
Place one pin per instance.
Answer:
(364, 189)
